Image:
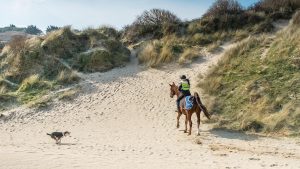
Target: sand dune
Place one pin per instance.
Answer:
(125, 118)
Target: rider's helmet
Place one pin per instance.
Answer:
(182, 77)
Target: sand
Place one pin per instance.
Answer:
(125, 119)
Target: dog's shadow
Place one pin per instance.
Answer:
(66, 144)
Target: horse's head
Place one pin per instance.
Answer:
(173, 89)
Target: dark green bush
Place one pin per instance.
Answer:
(51, 28)
(33, 30)
(155, 23)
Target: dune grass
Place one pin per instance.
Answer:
(255, 93)
(188, 55)
(32, 67)
(169, 49)
(224, 21)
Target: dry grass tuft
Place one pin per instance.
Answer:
(67, 77)
(214, 47)
(149, 55)
(30, 82)
(68, 94)
(296, 19)
(188, 55)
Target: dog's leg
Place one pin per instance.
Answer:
(56, 140)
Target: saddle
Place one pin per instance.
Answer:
(189, 102)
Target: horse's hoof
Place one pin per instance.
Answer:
(198, 134)
(177, 126)
(189, 134)
(185, 131)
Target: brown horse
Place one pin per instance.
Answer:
(197, 107)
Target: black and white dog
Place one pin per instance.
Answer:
(58, 135)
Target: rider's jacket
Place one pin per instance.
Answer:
(184, 85)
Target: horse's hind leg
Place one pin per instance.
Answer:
(186, 122)
(178, 117)
(198, 122)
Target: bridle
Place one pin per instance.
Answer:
(172, 93)
(172, 90)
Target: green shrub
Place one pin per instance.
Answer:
(224, 7)
(33, 82)
(51, 28)
(154, 23)
(33, 30)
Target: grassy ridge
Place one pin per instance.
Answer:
(30, 68)
(256, 86)
(169, 39)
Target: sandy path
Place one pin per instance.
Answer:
(125, 118)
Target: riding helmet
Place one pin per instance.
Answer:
(182, 77)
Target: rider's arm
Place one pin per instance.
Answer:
(179, 86)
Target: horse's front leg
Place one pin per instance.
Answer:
(178, 117)
(189, 119)
(186, 122)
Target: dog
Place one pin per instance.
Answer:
(58, 135)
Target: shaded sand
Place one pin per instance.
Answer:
(125, 118)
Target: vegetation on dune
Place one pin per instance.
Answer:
(1, 45)
(32, 67)
(256, 86)
(31, 29)
(278, 8)
(51, 28)
(11, 28)
(151, 24)
(225, 20)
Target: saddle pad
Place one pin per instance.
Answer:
(188, 103)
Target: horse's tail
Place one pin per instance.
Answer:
(201, 106)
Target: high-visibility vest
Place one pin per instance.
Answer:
(185, 85)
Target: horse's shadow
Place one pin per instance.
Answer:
(230, 134)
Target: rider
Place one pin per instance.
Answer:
(184, 88)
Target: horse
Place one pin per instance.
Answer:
(197, 108)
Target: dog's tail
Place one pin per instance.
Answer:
(48, 134)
